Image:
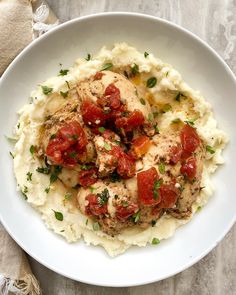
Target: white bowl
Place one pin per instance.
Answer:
(201, 67)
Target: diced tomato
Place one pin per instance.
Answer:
(189, 168)
(70, 157)
(88, 177)
(92, 114)
(123, 212)
(175, 154)
(126, 165)
(55, 149)
(169, 195)
(146, 181)
(140, 146)
(134, 120)
(109, 135)
(114, 96)
(93, 207)
(189, 139)
(98, 76)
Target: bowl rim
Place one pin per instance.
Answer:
(173, 26)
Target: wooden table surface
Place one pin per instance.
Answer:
(215, 22)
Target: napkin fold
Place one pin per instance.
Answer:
(21, 22)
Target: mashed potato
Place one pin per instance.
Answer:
(57, 199)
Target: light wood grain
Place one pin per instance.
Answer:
(215, 22)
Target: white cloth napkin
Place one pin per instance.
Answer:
(21, 21)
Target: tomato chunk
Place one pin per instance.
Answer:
(113, 93)
(134, 120)
(175, 154)
(140, 146)
(124, 212)
(169, 195)
(92, 114)
(189, 139)
(98, 76)
(146, 181)
(189, 168)
(88, 177)
(93, 207)
(126, 166)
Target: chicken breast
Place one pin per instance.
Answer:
(93, 89)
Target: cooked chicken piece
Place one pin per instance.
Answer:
(105, 162)
(94, 89)
(115, 197)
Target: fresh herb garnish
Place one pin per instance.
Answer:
(53, 136)
(107, 66)
(101, 129)
(18, 125)
(88, 57)
(46, 90)
(162, 168)
(125, 204)
(190, 122)
(32, 149)
(29, 176)
(47, 189)
(44, 170)
(86, 222)
(116, 197)
(151, 82)
(68, 85)
(68, 196)
(96, 226)
(11, 154)
(157, 185)
(107, 146)
(92, 189)
(177, 98)
(156, 129)
(136, 216)
(146, 54)
(210, 149)
(63, 72)
(175, 121)
(155, 114)
(64, 94)
(85, 167)
(73, 155)
(166, 108)
(199, 208)
(114, 177)
(24, 191)
(143, 102)
(153, 222)
(103, 197)
(150, 117)
(58, 215)
(155, 241)
(135, 69)
(54, 175)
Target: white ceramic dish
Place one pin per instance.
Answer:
(201, 67)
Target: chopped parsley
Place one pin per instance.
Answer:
(150, 117)
(103, 197)
(114, 177)
(162, 168)
(63, 72)
(44, 170)
(47, 189)
(101, 129)
(155, 114)
(199, 208)
(68, 85)
(136, 216)
(73, 155)
(58, 215)
(107, 66)
(86, 222)
(166, 108)
(146, 54)
(24, 191)
(46, 90)
(177, 98)
(190, 122)
(92, 189)
(96, 226)
(153, 222)
(64, 94)
(151, 82)
(125, 204)
(68, 196)
(210, 149)
(135, 69)
(54, 174)
(155, 241)
(156, 129)
(107, 146)
(18, 125)
(11, 154)
(85, 167)
(29, 176)
(53, 136)
(175, 121)
(143, 102)
(157, 185)
(32, 149)
(88, 57)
